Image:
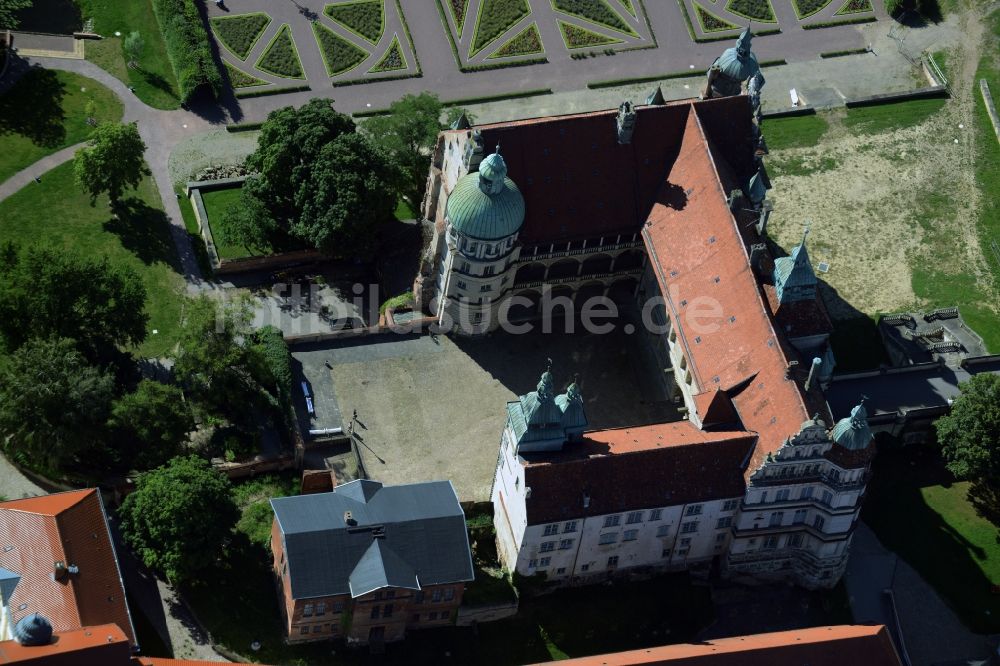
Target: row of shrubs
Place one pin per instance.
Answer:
(187, 47)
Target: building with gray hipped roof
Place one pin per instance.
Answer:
(368, 562)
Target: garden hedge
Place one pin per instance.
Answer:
(187, 47)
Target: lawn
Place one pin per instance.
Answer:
(757, 10)
(240, 32)
(495, 18)
(576, 37)
(153, 79)
(891, 117)
(217, 202)
(919, 511)
(365, 18)
(596, 11)
(806, 8)
(794, 131)
(988, 159)
(45, 112)
(240, 79)
(281, 57)
(55, 212)
(339, 55)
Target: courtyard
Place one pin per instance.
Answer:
(433, 407)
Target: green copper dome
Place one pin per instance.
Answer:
(486, 205)
(853, 432)
(739, 63)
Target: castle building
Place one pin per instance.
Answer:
(663, 208)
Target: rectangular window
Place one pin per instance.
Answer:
(771, 542)
(689, 527)
(782, 495)
(720, 537)
(819, 522)
(545, 561)
(532, 564)
(686, 541)
(551, 529)
(387, 610)
(655, 514)
(548, 546)
(612, 521)
(608, 537)
(375, 612)
(565, 544)
(730, 505)
(570, 526)
(436, 596)
(307, 610)
(338, 606)
(634, 517)
(724, 522)
(663, 530)
(432, 616)
(807, 492)
(763, 497)
(612, 561)
(630, 535)
(683, 552)
(304, 630)
(321, 608)
(795, 541)
(486, 287)
(585, 567)
(827, 498)
(693, 510)
(800, 517)
(776, 518)
(449, 593)
(561, 570)
(665, 552)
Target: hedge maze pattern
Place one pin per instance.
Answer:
(526, 42)
(240, 32)
(281, 58)
(365, 18)
(393, 60)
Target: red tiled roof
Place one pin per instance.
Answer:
(635, 468)
(869, 645)
(578, 182)
(723, 324)
(106, 645)
(800, 318)
(715, 408)
(71, 528)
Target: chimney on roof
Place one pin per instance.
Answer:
(765, 214)
(812, 372)
(349, 519)
(59, 570)
(757, 253)
(626, 122)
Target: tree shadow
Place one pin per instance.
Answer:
(985, 499)
(144, 231)
(57, 17)
(158, 82)
(33, 108)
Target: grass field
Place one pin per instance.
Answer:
(45, 112)
(918, 510)
(795, 131)
(55, 212)
(217, 202)
(281, 57)
(153, 79)
(894, 117)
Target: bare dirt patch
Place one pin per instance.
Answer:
(892, 211)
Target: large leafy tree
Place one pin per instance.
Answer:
(218, 364)
(408, 134)
(349, 193)
(970, 434)
(112, 162)
(316, 180)
(179, 517)
(151, 424)
(9, 10)
(45, 293)
(53, 404)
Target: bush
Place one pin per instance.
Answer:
(597, 11)
(758, 10)
(239, 33)
(275, 353)
(280, 58)
(894, 7)
(240, 79)
(459, 8)
(365, 18)
(495, 18)
(855, 7)
(806, 8)
(526, 42)
(187, 47)
(339, 55)
(392, 60)
(712, 23)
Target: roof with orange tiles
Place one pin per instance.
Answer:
(635, 468)
(799, 318)
(870, 645)
(702, 263)
(70, 528)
